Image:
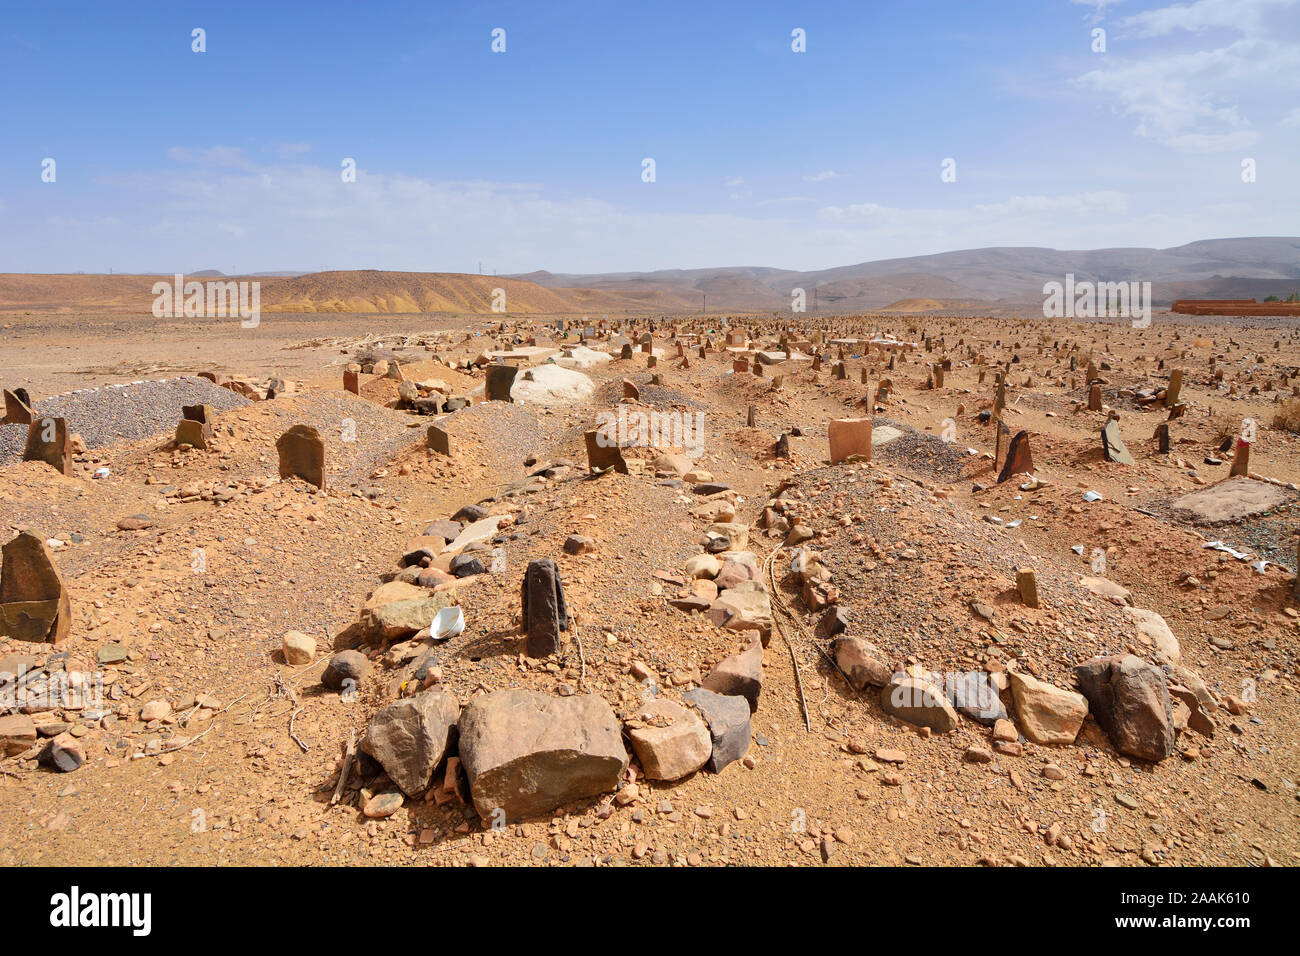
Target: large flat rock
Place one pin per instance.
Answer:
(526, 753)
(1232, 500)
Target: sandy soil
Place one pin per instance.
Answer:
(905, 537)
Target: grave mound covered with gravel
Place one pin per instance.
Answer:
(122, 413)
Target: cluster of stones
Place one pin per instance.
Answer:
(782, 517)
(430, 397)
(255, 390)
(725, 582)
(35, 607)
(1140, 705)
(1135, 702)
(513, 753)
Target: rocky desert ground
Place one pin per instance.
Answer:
(679, 589)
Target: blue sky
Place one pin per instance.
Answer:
(167, 159)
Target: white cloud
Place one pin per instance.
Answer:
(220, 210)
(1034, 212)
(1098, 8)
(824, 175)
(1192, 100)
(218, 156)
(1242, 16)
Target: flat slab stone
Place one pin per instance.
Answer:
(551, 385)
(775, 358)
(1233, 500)
(526, 354)
(884, 434)
(480, 530)
(582, 358)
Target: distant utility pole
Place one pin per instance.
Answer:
(814, 298)
(480, 267)
(706, 303)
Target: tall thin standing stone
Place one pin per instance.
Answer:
(544, 611)
(1241, 460)
(1175, 387)
(1027, 585)
(1001, 445)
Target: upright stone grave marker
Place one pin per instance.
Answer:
(302, 455)
(500, 379)
(34, 604)
(544, 613)
(47, 441)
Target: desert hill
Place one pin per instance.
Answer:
(1223, 268)
(332, 292)
(977, 278)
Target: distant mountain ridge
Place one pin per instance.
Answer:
(970, 279)
(996, 275)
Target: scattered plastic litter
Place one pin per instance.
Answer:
(447, 624)
(1220, 546)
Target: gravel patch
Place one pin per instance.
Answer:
(502, 434)
(923, 453)
(935, 559)
(123, 413)
(359, 436)
(12, 440)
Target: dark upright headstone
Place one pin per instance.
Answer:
(500, 379)
(1019, 460)
(603, 452)
(302, 455)
(439, 440)
(544, 613)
